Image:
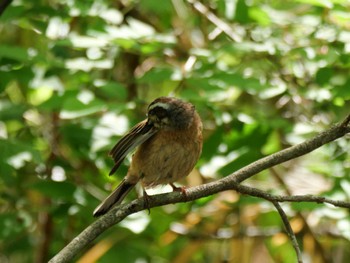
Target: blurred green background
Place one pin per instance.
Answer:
(264, 75)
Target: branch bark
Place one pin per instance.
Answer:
(286, 198)
(231, 182)
(289, 231)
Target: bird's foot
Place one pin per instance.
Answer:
(181, 189)
(146, 201)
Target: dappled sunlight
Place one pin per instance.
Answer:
(264, 76)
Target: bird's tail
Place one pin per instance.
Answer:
(116, 197)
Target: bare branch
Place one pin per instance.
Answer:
(219, 23)
(289, 231)
(230, 182)
(284, 198)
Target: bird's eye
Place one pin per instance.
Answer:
(159, 112)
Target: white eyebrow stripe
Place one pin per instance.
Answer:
(159, 104)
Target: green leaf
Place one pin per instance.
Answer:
(10, 111)
(77, 137)
(304, 206)
(113, 90)
(54, 103)
(233, 79)
(15, 53)
(12, 12)
(7, 174)
(242, 160)
(271, 218)
(156, 75)
(272, 144)
(321, 3)
(242, 12)
(342, 91)
(212, 143)
(259, 15)
(11, 224)
(73, 108)
(55, 190)
(10, 148)
(323, 75)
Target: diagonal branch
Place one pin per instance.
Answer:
(218, 22)
(307, 228)
(230, 182)
(289, 231)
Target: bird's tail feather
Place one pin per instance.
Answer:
(116, 197)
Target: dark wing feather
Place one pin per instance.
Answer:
(136, 136)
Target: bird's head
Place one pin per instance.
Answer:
(170, 113)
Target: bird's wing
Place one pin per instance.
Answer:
(136, 136)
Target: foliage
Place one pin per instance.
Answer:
(264, 75)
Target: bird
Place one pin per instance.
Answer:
(168, 145)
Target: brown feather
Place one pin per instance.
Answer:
(116, 197)
(137, 135)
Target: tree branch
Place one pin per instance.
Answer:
(289, 231)
(219, 23)
(307, 228)
(230, 182)
(286, 198)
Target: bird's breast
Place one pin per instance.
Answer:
(166, 157)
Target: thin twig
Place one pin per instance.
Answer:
(219, 23)
(289, 231)
(321, 251)
(286, 198)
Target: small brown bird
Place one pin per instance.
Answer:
(169, 144)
